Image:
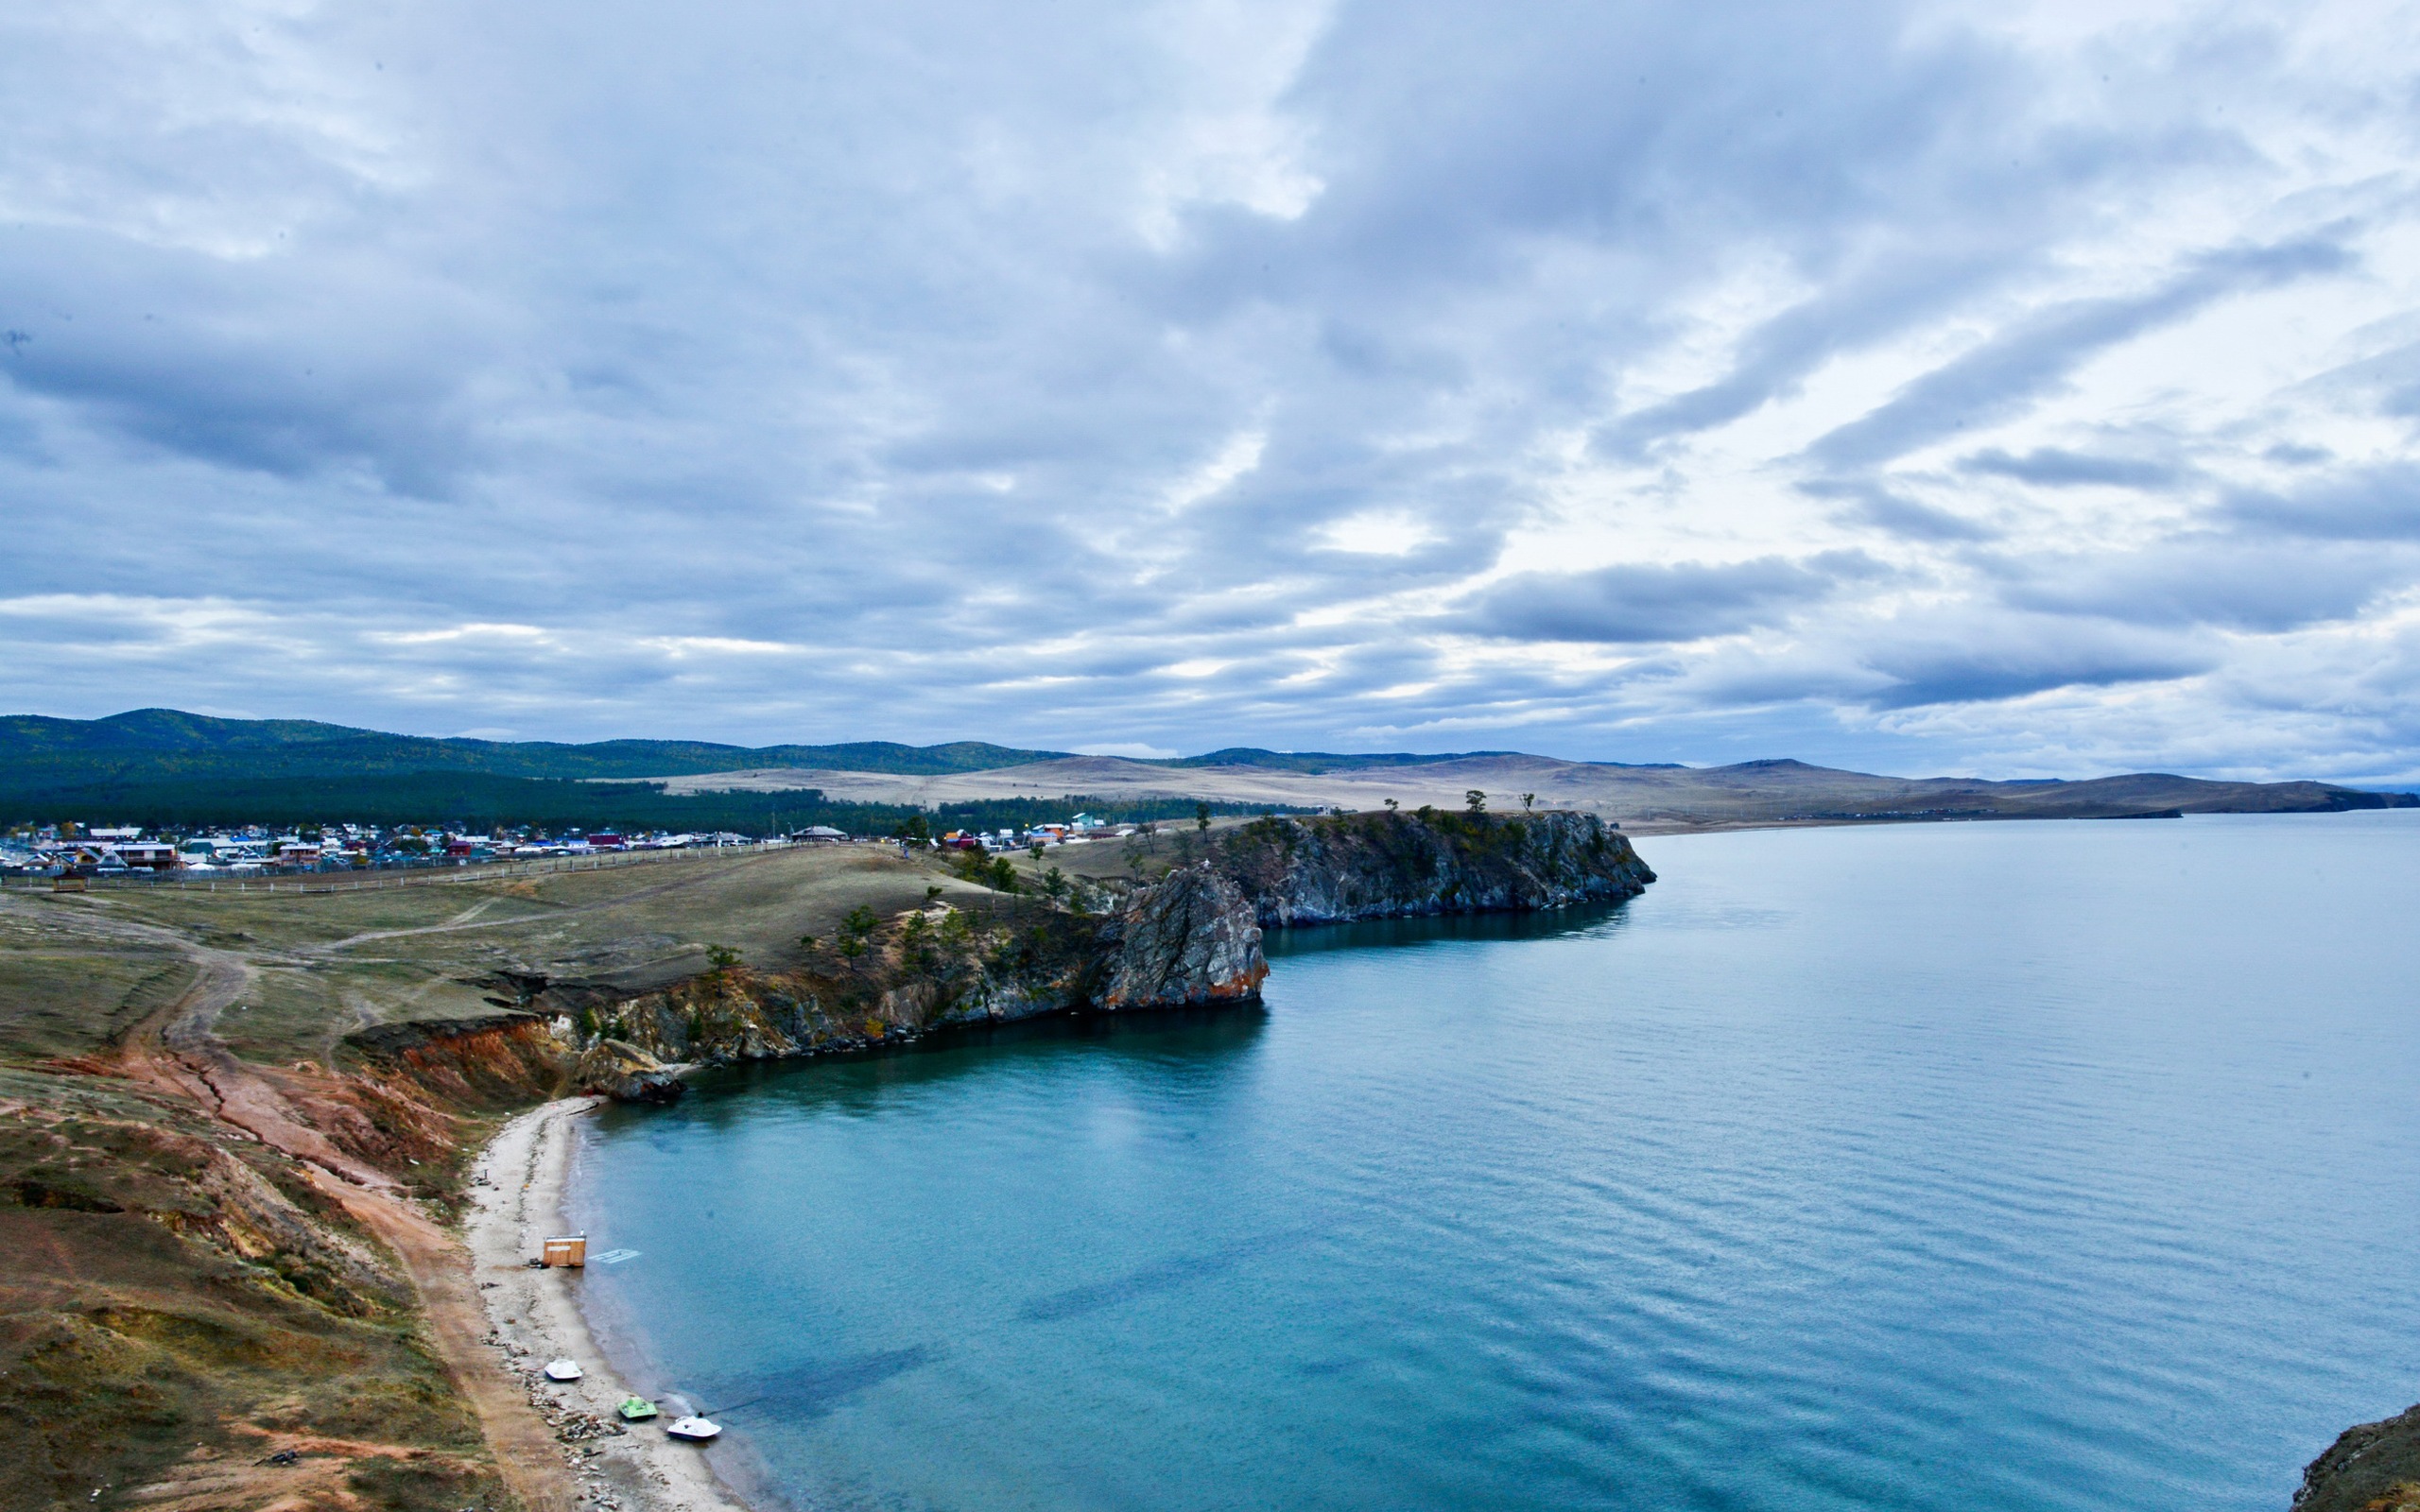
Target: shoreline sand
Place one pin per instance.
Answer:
(533, 1317)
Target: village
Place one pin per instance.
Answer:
(133, 852)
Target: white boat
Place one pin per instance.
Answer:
(562, 1370)
(695, 1430)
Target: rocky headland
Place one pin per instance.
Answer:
(1392, 865)
(1191, 937)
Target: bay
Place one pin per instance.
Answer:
(1973, 1166)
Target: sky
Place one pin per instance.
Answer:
(2013, 389)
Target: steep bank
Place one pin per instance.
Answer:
(1397, 865)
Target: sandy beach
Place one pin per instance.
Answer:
(533, 1317)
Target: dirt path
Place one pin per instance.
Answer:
(177, 1051)
(466, 920)
(525, 1449)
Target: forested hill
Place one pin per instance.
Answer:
(152, 745)
(155, 745)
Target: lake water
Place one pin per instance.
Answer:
(1963, 1166)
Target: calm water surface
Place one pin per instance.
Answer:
(1950, 1166)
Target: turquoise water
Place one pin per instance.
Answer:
(1947, 1166)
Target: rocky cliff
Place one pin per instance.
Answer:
(1190, 938)
(1397, 865)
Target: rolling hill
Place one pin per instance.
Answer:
(160, 762)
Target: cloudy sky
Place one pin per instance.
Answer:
(2024, 389)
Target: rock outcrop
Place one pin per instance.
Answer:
(625, 1073)
(1193, 939)
(2372, 1467)
(1398, 865)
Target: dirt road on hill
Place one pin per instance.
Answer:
(176, 1050)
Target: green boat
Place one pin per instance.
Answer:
(638, 1409)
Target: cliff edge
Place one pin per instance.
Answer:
(1397, 865)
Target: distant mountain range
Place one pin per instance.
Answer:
(155, 760)
(155, 744)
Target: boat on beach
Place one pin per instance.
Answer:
(695, 1430)
(636, 1409)
(562, 1370)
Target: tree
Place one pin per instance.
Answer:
(915, 941)
(854, 929)
(1529, 801)
(1477, 799)
(1054, 882)
(1004, 875)
(1392, 805)
(913, 828)
(1201, 817)
(1036, 849)
(721, 958)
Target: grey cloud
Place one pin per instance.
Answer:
(2234, 583)
(2014, 660)
(2387, 382)
(1683, 601)
(2371, 504)
(230, 366)
(2001, 376)
(2053, 467)
(1870, 503)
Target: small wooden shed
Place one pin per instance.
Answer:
(567, 1249)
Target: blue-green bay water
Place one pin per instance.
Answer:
(1974, 1167)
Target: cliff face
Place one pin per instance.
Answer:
(502, 1060)
(1190, 939)
(1397, 865)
